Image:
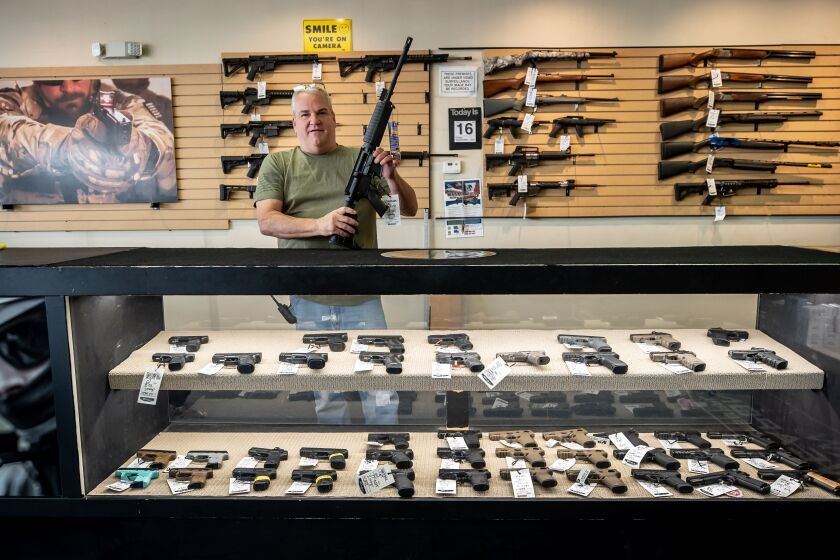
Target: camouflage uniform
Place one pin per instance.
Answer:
(42, 162)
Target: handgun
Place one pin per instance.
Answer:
(533, 357)
(398, 439)
(597, 343)
(192, 342)
(685, 358)
(609, 360)
(477, 478)
(271, 457)
(471, 436)
(775, 455)
(694, 438)
(400, 457)
(337, 457)
(807, 476)
(403, 481)
(662, 339)
(244, 361)
(525, 438)
(313, 360)
(196, 477)
(392, 362)
(722, 337)
(176, 361)
(734, 477)
(322, 478)
(597, 457)
(469, 360)
(336, 341)
(475, 457)
(577, 435)
(158, 458)
(655, 455)
(671, 478)
(460, 340)
(214, 459)
(138, 477)
(393, 342)
(759, 355)
(541, 475)
(534, 456)
(610, 478)
(259, 477)
(758, 438)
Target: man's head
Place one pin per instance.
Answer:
(132, 85)
(313, 119)
(67, 98)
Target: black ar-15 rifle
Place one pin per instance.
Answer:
(266, 62)
(533, 188)
(377, 63)
(528, 156)
(729, 187)
(359, 185)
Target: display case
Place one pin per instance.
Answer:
(539, 417)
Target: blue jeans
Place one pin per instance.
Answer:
(331, 407)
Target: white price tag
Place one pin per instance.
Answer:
(362, 367)
(441, 371)
(211, 369)
(717, 79)
(784, 486)
(119, 486)
(285, 368)
(150, 385)
(500, 403)
(392, 215)
(669, 444)
(247, 463)
(375, 480)
(600, 440)
(710, 163)
(565, 142)
(710, 102)
(581, 489)
(531, 97)
(715, 490)
(175, 349)
(308, 462)
(465, 131)
(656, 490)
(572, 445)
(511, 444)
(493, 374)
(712, 118)
(298, 487)
(499, 145)
(177, 487)
(734, 442)
(578, 368)
(711, 186)
(679, 369)
(620, 441)
(562, 465)
(516, 463)
(527, 123)
(456, 443)
(316, 71)
(522, 183)
(758, 463)
(238, 486)
(648, 348)
(720, 213)
(531, 76)
(551, 443)
(449, 464)
(635, 455)
(356, 347)
(749, 366)
(138, 463)
(256, 117)
(367, 464)
(523, 486)
(380, 87)
(699, 467)
(263, 147)
(446, 487)
(260, 90)
(180, 462)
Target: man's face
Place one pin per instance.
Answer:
(69, 97)
(314, 123)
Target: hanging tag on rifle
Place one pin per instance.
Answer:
(260, 90)
(256, 117)
(531, 98)
(531, 76)
(150, 386)
(720, 213)
(527, 123)
(712, 118)
(499, 145)
(710, 163)
(717, 79)
(316, 71)
(710, 186)
(263, 146)
(522, 184)
(380, 87)
(710, 103)
(565, 142)
(394, 139)
(392, 215)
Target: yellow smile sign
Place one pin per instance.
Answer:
(327, 35)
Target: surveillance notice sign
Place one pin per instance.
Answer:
(465, 128)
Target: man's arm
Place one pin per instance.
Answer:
(396, 184)
(274, 222)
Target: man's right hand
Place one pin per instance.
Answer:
(340, 221)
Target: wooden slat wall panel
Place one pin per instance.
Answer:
(198, 142)
(626, 152)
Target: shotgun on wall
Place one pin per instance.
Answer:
(678, 60)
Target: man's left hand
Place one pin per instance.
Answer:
(387, 162)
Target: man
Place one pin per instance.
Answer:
(300, 200)
(53, 149)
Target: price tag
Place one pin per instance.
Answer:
(551, 443)
(138, 463)
(493, 374)
(150, 385)
(669, 444)
(715, 490)
(247, 463)
(565, 142)
(516, 464)
(362, 367)
(316, 71)
(446, 487)
(456, 443)
(572, 445)
(717, 79)
(711, 186)
(784, 486)
(531, 97)
(648, 348)
(527, 122)
(523, 486)
(499, 145)
(758, 463)
(620, 441)
(367, 464)
(286, 368)
(180, 462)
(260, 90)
(375, 480)
(511, 444)
(710, 102)
(601, 440)
(699, 467)
(298, 487)
(380, 87)
(720, 213)
(465, 131)
(712, 118)
(175, 349)
(263, 147)
(531, 76)
(177, 487)
(578, 368)
(449, 464)
(581, 489)
(710, 163)
(356, 347)
(238, 487)
(734, 442)
(441, 371)
(308, 462)
(211, 369)
(749, 366)
(522, 183)
(675, 368)
(656, 490)
(256, 117)
(392, 214)
(634, 456)
(119, 486)
(562, 465)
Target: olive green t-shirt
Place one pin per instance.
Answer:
(311, 186)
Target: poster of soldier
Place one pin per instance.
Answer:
(87, 141)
